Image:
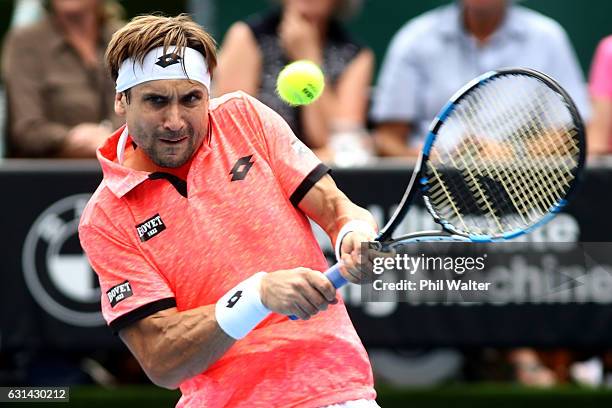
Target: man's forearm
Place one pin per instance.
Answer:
(331, 208)
(177, 346)
(345, 211)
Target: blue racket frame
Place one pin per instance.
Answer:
(418, 183)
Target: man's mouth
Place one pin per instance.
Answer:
(173, 141)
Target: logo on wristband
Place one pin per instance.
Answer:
(234, 299)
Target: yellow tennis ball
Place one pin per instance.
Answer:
(300, 83)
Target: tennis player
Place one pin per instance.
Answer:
(200, 238)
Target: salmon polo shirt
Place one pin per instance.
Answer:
(157, 242)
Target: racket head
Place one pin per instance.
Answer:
(500, 159)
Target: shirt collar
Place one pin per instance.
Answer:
(119, 179)
(452, 27)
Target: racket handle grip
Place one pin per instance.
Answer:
(335, 277)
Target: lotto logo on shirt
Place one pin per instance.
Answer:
(150, 228)
(118, 293)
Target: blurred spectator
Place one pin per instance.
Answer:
(600, 87)
(255, 51)
(530, 370)
(435, 54)
(60, 98)
(204, 13)
(26, 12)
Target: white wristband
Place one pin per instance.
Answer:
(240, 309)
(353, 225)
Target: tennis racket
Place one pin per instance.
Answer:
(500, 160)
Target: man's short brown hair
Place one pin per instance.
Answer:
(144, 33)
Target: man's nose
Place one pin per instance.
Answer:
(174, 120)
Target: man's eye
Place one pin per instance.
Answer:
(156, 100)
(192, 99)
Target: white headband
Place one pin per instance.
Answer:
(158, 65)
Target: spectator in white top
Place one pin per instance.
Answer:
(436, 53)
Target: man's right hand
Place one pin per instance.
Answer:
(299, 36)
(301, 292)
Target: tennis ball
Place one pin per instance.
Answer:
(300, 83)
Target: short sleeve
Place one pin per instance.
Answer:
(399, 82)
(295, 166)
(600, 81)
(564, 67)
(131, 287)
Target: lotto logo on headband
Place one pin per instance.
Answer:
(168, 59)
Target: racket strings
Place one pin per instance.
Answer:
(472, 147)
(530, 178)
(447, 200)
(568, 145)
(551, 146)
(501, 205)
(552, 143)
(482, 198)
(503, 158)
(508, 179)
(525, 131)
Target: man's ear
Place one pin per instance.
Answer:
(120, 103)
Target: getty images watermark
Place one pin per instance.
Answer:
(496, 273)
(413, 264)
